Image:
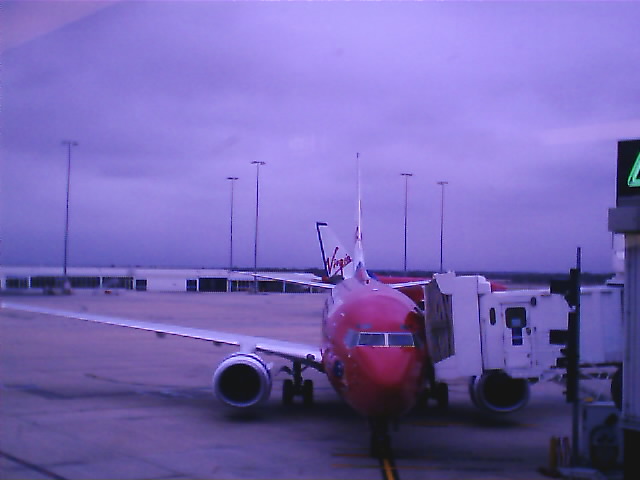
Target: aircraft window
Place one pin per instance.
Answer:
(367, 339)
(350, 339)
(417, 340)
(401, 340)
(396, 339)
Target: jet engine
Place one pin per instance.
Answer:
(242, 380)
(497, 392)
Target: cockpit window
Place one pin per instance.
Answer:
(400, 340)
(367, 339)
(396, 339)
(350, 338)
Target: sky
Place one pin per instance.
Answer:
(517, 105)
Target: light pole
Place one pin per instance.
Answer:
(406, 197)
(255, 241)
(69, 144)
(442, 184)
(233, 181)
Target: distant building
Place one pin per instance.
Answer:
(51, 279)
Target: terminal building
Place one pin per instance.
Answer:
(51, 279)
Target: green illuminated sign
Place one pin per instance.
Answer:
(628, 178)
(633, 180)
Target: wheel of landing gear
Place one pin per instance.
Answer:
(616, 388)
(422, 401)
(307, 392)
(287, 392)
(442, 396)
(380, 446)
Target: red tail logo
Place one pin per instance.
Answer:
(336, 265)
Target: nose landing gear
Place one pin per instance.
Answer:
(297, 386)
(380, 444)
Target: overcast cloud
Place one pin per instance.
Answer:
(518, 105)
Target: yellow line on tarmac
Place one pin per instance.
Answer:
(388, 469)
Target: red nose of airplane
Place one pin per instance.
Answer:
(388, 379)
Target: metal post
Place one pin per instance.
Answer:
(233, 180)
(255, 242)
(406, 197)
(69, 144)
(442, 184)
(575, 430)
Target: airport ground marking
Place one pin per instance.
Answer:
(32, 466)
(389, 471)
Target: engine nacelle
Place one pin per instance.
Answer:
(497, 392)
(242, 380)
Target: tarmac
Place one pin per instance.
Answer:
(87, 401)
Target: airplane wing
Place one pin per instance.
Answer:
(413, 283)
(313, 283)
(305, 354)
(289, 279)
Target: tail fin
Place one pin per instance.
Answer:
(358, 249)
(336, 259)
